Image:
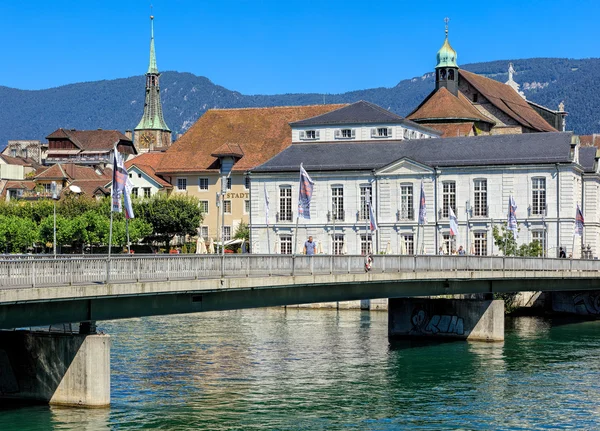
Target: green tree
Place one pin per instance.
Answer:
(170, 216)
(504, 239)
(242, 231)
(17, 234)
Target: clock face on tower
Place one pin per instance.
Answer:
(147, 140)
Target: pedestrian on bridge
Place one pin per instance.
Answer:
(309, 246)
(562, 254)
(461, 251)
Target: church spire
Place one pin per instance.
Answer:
(152, 68)
(446, 69)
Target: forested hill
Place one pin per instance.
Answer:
(118, 104)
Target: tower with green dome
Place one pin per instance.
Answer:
(446, 69)
(152, 133)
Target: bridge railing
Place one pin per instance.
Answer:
(42, 272)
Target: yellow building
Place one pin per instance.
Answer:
(219, 149)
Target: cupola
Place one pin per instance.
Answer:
(446, 69)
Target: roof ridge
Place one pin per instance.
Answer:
(341, 104)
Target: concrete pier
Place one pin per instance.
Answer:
(465, 319)
(55, 368)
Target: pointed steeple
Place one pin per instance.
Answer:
(152, 68)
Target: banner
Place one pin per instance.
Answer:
(422, 207)
(305, 194)
(579, 222)
(512, 216)
(453, 222)
(119, 181)
(372, 221)
(266, 204)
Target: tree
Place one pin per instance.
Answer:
(17, 234)
(505, 239)
(242, 231)
(170, 216)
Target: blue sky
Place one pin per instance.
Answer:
(280, 46)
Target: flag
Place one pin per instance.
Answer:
(512, 216)
(305, 195)
(579, 222)
(119, 181)
(372, 221)
(422, 207)
(127, 198)
(266, 204)
(453, 222)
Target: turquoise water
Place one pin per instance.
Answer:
(277, 369)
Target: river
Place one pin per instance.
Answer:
(294, 369)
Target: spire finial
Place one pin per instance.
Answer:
(446, 20)
(152, 66)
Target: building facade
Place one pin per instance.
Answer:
(152, 132)
(545, 173)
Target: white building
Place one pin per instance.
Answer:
(546, 173)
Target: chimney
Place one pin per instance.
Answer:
(129, 134)
(99, 128)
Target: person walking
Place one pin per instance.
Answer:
(309, 247)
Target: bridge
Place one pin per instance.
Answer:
(37, 291)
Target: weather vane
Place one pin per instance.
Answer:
(446, 20)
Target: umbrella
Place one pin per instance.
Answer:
(344, 248)
(403, 245)
(444, 248)
(276, 251)
(388, 249)
(211, 246)
(244, 247)
(200, 246)
(319, 247)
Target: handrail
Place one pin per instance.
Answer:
(99, 269)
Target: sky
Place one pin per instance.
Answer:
(280, 46)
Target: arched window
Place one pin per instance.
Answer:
(451, 74)
(442, 74)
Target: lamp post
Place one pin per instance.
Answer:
(55, 197)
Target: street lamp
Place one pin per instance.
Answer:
(56, 197)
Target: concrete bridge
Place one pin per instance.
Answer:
(47, 291)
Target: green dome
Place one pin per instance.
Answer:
(446, 56)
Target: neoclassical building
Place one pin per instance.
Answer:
(548, 174)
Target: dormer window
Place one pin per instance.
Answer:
(309, 134)
(381, 132)
(345, 134)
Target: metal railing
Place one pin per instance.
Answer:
(94, 269)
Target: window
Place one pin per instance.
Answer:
(229, 183)
(130, 175)
(285, 203)
(345, 134)
(448, 198)
(13, 152)
(309, 134)
(337, 202)
(365, 191)
(203, 205)
(226, 233)
(202, 183)
(448, 245)
(540, 237)
(338, 243)
(227, 207)
(134, 192)
(139, 175)
(181, 184)
(406, 202)
(475, 97)
(381, 132)
(480, 243)
(409, 243)
(366, 240)
(406, 134)
(285, 244)
(538, 186)
(147, 192)
(480, 198)
(204, 231)
(247, 182)
(247, 207)
(47, 188)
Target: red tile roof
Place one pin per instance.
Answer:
(450, 130)
(261, 133)
(590, 140)
(231, 150)
(508, 101)
(148, 163)
(441, 104)
(91, 139)
(73, 172)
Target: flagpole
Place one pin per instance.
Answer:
(127, 233)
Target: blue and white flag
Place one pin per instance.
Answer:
(305, 195)
(453, 222)
(422, 207)
(266, 204)
(579, 222)
(512, 216)
(372, 221)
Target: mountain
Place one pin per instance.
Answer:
(118, 104)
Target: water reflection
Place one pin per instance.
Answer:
(301, 369)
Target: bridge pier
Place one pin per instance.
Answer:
(467, 319)
(56, 368)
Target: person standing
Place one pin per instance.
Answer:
(461, 251)
(561, 253)
(309, 246)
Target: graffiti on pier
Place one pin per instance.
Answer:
(437, 324)
(587, 303)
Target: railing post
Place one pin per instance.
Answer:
(139, 260)
(107, 270)
(415, 263)
(223, 266)
(348, 263)
(33, 274)
(270, 265)
(383, 264)
(168, 268)
(331, 264)
(312, 266)
(293, 265)
(70, 272)
(248, 265)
